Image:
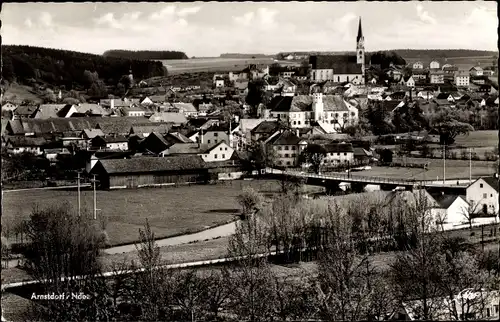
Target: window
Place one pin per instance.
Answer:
(216, 134)
(208, 141)
(215, 141)
(288, 163)
(225, 148)
(298, 122)
(294, 147)
(223, 156)
(496, 308)
(286, 155)
(491, 195)
(286, 147)
(215, 156)
(485, 195)
(338, 153)
(353, 114)
(345, 153)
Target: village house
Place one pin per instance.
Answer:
(285, 87)
(54, 126)
(187, 109)
(338, 154)
(21, 144)
(144, 130)
(219, 82)
(462, 79)
(168, 117)
(408, 81)
(46, 111)
(113, 142)
(264, 130)
(88, 134)
(149, 171)
(467, 305)
(158, 143)
(288, 146)
(24, 112)
(299, 111)
(450, 211)
(113, 103)
(434, 64)
(476, 71)
(436, 77)
(209, 152)
(482, 196)
(119, 125)
(8, 106)
(418, 65)
(218, 132)
(133, 110)
(420, 76)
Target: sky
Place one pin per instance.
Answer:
(208, 29)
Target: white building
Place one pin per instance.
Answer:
(418, 65)
(482, 195)
(434, 65)
(287, 146)
(462, 79)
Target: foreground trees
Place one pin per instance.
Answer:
(345, 283)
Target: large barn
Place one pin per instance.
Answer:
(150, 171)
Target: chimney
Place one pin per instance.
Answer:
(201, 136)
(297, 133)
(112, 103)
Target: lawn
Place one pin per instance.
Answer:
(18, 93)
(478, 139)
(455, 169)
(170, 211)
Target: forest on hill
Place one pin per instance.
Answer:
(28, 64)
(145, 54)
(443, 53)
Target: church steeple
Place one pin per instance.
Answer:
(360, 32)
(360, 50)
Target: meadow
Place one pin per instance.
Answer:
(170, 211)
(478, 139)
(455, 169)
(180, 66)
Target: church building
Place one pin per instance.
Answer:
(341, 68)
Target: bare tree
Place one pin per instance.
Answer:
(470, 212)
(188, 295)
(250, 200)
(61, 246)
(219, 287)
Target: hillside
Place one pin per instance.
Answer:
(237, 55)
(145, 54)
(444, 53)
(27, 64)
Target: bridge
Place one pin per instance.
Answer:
(358, 182)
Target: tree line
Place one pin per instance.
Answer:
(145, 54)
(347, 284)
(28, 64)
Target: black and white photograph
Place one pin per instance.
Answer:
(250, 161)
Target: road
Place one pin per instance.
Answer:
(83, 185)
(211, 233)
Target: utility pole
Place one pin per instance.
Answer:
(79, 194)
(444, 164)
(470, 165)
(95, 201)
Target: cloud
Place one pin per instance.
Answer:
(246, 19)
(188, 11)
(266, 16)
(483, 17)
(46, 19)
(109, 20)
(28, 23)
(424, 15)
(168, 11)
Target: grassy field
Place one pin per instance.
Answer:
(478, 139)
(181, 66)
(455, 169)
(18, 93)
(170, 211)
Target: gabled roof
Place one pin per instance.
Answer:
(191, 148)
(491, 181)
(26, 110)
(148, 164)
(94, 109)
(120, 125)
(23, 141)
(111, 139)
(338, 147)
(168, 117)
(286, 137)
(54, 125)
(177, 136)
(185, 107)
(476, 68)
(445, 201)
(155, 142)
(92, 133)
(266, 127)
(150, 128)
(341, 64)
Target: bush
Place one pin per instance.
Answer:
(249, 199)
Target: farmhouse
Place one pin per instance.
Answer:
(150, 171)
(451, 211)
(418, 65)
(114, 142)
(169, 117)
(20, 144)
(209, 152)
(338, 153)
(287, 146)
(482, 195)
